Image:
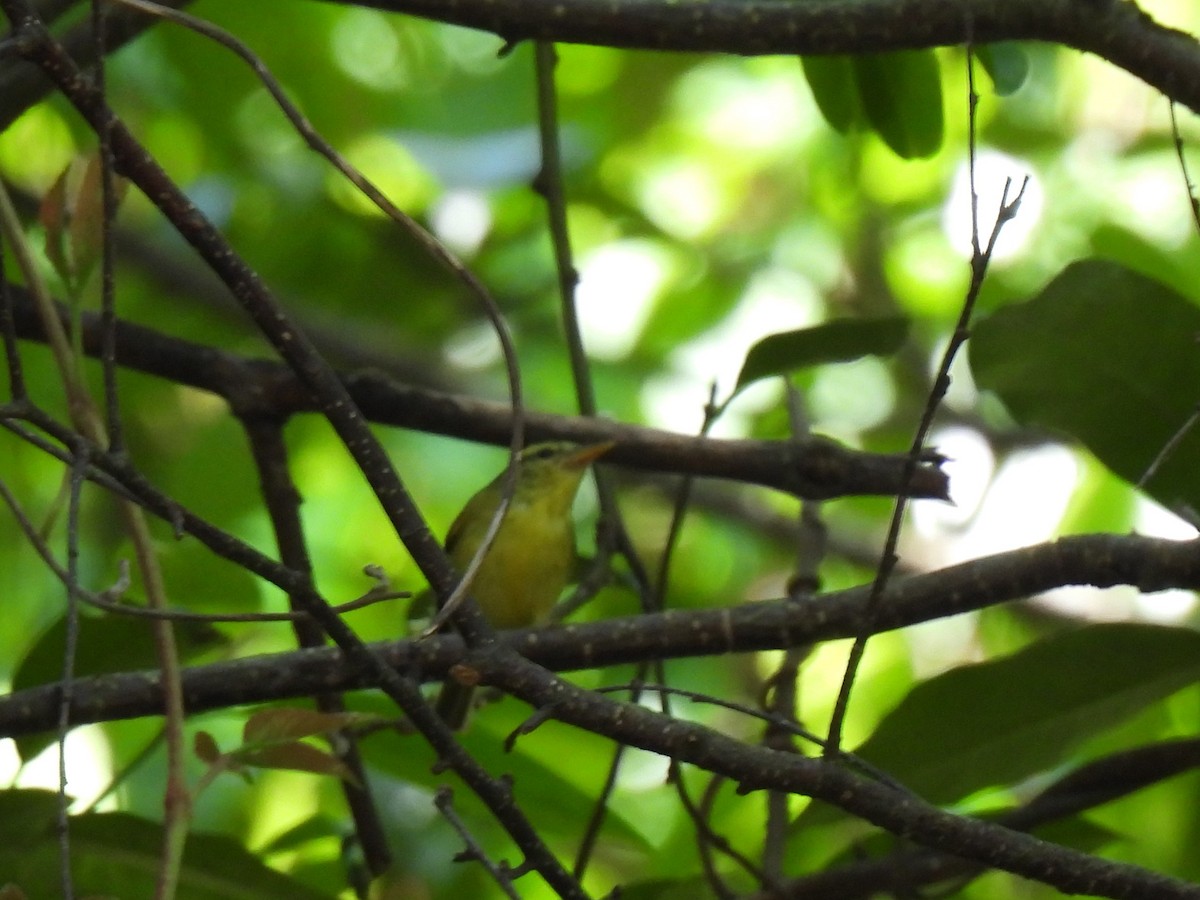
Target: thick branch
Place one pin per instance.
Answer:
(906, 870)
(818, 468)
(23, 84)
(756, 768)
(1150, 564)
(1101, 560)
(1116, 30)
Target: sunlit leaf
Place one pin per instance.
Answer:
(1006, 63)
(841, 340)
(314, 828)
(835, 89)
(901, 94)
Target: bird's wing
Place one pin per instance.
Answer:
(479, 508)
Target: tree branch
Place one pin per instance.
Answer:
(1117, 31)
(760, 768)
(1087, 787)
(1101, 560)
(23, 84)
(815, 468)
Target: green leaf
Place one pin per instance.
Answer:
(833, 85)
(109, 644)
(557, 776)
(1077, 832)
(314, 828)
(118, 854)
(1109, 357)
(1002, 721)
(1114, 240)
(26, 815)
(667, 889)
(682, 314)
(901, 95)
(1006, 63)
(841, 340)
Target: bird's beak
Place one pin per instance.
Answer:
(584, 456)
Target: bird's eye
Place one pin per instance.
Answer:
(544, 453)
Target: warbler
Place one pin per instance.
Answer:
(532, 556)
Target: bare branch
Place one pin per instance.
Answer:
(1119, 32)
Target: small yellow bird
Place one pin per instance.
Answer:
(532, 556)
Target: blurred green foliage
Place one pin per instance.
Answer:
(711, 206)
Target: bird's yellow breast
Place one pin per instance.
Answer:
(527, 566)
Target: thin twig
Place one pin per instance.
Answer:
(70, 649)
(1169, 448)
(980, 260)
(652, 597)
(116, 474)
(90, 426)
(1172, 444)
(443, 799)
(1188, 184)
(108, 207)
(56, 336)
(104, 600)
(706, 838)
(16, 378)
(550, 184)
(780, 689)
(708, 841)
(770, 718)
